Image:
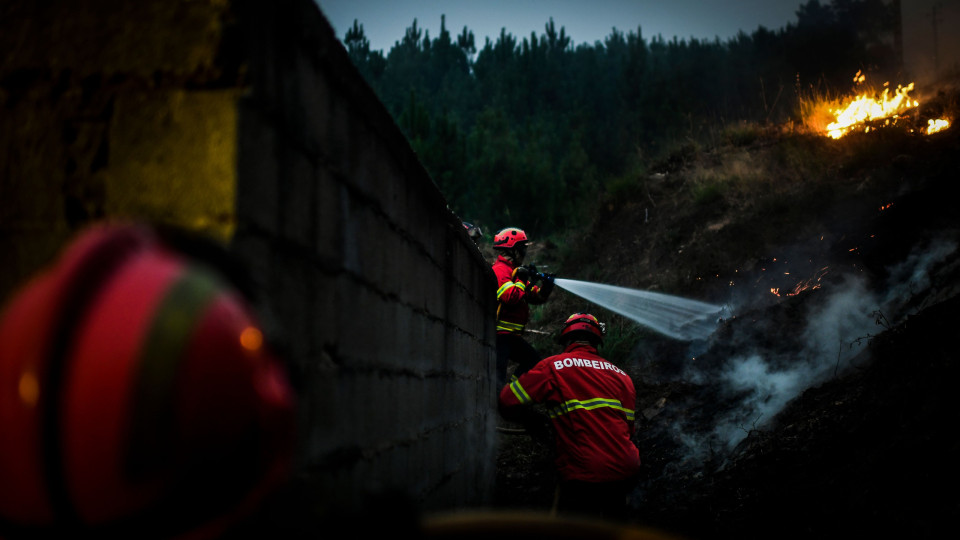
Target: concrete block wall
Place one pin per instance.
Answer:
(244, 120)
(386, 303)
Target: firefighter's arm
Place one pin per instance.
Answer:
(516, 405)
(512, 291)
(534, 386)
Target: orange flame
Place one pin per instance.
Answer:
(864, 108)
(855, 114)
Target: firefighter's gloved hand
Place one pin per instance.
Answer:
(522, 273)
(546, 286)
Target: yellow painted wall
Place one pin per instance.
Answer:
(173, 159)
(112, 109)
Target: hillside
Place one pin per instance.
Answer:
(823, 404)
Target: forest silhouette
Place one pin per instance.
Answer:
(531, 131)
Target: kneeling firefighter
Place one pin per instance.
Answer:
(591, 404)
(516, 290)
(138, 397)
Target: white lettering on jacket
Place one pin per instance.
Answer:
(579, 362)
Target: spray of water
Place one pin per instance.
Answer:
(673, 316)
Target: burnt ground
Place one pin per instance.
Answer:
(825, 403)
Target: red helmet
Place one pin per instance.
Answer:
(582, 326)
(509, 238)
(136, 394)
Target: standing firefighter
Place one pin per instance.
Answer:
(591, 404)
(515, 291)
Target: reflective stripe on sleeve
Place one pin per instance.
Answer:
(509, 326)
(590, 404)
(509, 285)
(518, 391)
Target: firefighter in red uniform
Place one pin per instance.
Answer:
(515, 291)
(591, 405)
(139, 397)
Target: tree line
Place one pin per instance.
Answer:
(528, 132)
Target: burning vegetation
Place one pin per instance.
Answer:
(870, 110)
(840, 259)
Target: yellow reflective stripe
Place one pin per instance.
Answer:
(509, 326)
(509, 285)
(518, 391)
(589, 405)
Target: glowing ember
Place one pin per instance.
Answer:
(812, 283)
(934, 126)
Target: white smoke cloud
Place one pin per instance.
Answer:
(835, 332)
(912, 276)
(835, 329)
(767, 391)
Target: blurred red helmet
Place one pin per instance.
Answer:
(509, 238)
(582, 326)
(136, 394)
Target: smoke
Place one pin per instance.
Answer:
(760, 379)
(766, 391)
(912, 276)
(834, 330)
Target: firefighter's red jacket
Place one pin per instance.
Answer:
(591, 404)
(514, 296)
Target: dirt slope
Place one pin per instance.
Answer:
(824, 404)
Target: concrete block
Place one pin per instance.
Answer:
(364, 150)
(327, 321)
(306, 106)
(258, 170)
(329, 222)
(298, 187)
(336, 147)
(368, 224)
(294, 303)
(392, 278)
(255, 252)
